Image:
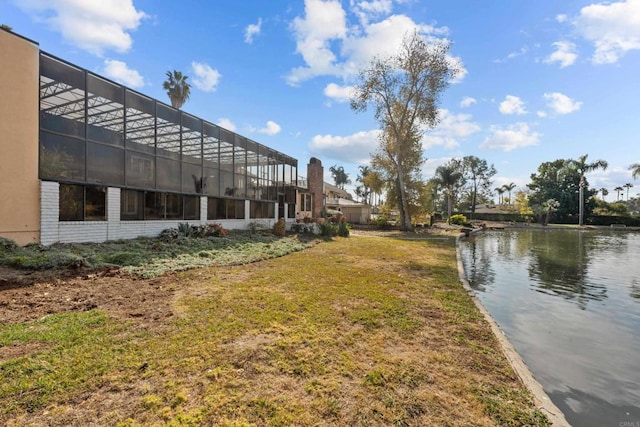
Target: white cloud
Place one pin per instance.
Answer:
(338, 93)
(324, 21)
(614, 29)
(564, 54)
(561, 103)
(561, 18)
(512, 105)
(467, 101)
(381, 39)
(272, 128)
(451, 129)
(206, 78)
(354, 148)
(523, 51)
(95, 26)
(514, 136)
(430, 165)
(118, 71)
(329, 47)
(227, 124)
(366, 10)
(252, 30)
(541, 114)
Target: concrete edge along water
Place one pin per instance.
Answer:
(540, 397)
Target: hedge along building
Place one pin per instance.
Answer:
(83, 158)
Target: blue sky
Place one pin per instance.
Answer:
(542, 79)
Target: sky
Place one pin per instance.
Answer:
(540, 80)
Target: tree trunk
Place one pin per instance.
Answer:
(405, 218)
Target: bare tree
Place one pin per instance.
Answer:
(405, 90)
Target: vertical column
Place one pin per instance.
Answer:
(113, 213)
(49, 212)
(203, 209)
(247, 211)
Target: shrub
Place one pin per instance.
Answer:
(328, 229)
(184, 229)
(255, 226)
(169, 234)
(279, 228)
(458, 219)
(215, 230)
(124, 258)
(7, 244)
(382, 222)
(343, 227)
(306, 228)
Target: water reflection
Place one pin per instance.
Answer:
(559, 265)
(568, 301)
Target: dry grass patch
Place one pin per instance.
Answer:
(358, 331)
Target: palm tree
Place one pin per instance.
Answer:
(508, 188)
(365, 190)
(177, 88)
(500, 191)
(374, 181)
(604, 192)
(618, 189)
(628, 185)
(448, 177)
(340, 177)
(582, 167)
(635, 170)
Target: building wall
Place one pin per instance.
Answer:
(113, 228)
(19, 185)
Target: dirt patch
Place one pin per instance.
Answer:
(18, 350)
(28, 296)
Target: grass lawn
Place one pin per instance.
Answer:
(367, 330)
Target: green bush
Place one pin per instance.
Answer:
(123, 258)
(343, 228)
(458, 219)
(7, 244)
(184, 228)
(382, 222)
(328, 229)
(280, 228)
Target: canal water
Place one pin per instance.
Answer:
(569, 302)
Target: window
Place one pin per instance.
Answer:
(105, 164)
(61, 157)
(224, 208)
(191, 207)
(140, 170)
(131, 205)
(80, 203)
(150, 205)
(262, 209)
(305, 200)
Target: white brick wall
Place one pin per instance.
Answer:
(203, 209)
(53, 230)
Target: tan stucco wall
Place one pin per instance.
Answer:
(19, 185)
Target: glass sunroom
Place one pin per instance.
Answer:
(97, 136)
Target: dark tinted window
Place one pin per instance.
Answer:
(105, 164)
(131, 205)
(61, 158)
(168, 174)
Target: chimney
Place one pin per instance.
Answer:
(315, 183)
